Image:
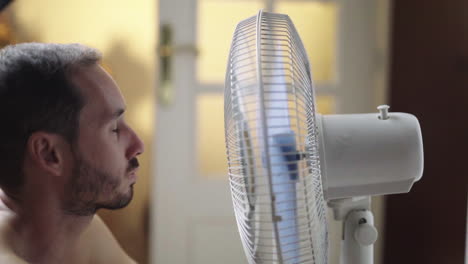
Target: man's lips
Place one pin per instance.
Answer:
(133, 168)
(133, 174)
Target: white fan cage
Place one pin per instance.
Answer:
(271, 140)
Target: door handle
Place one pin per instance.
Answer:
(165, 90)
(166, 51)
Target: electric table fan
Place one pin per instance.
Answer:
(287, 162)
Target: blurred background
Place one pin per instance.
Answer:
(169, 59)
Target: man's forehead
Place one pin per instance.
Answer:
(102, 95)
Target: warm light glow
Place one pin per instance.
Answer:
(143, 116)
(113, 27)
(316, 23)
(217, 20)
(96, 23)
(325, 104)
(210, 136)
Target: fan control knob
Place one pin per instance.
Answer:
(383, 109)
(365, 234)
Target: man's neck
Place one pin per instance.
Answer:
(41, 232)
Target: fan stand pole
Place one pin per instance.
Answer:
(359, 233)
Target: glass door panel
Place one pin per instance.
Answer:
(211, 150)
(316, 23)
(217, 20)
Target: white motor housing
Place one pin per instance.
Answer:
(369, 154)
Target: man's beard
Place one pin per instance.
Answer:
(91, 189)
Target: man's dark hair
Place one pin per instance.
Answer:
(36, 94)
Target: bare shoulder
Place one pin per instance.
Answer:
(102, 246)
(10, 259)
(7, 254)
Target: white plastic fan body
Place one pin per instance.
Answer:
(285, 160)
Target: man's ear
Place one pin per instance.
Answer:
(47, 151)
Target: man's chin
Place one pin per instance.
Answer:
(119, 202)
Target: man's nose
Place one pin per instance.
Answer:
(137, 146)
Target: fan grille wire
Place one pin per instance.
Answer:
(271, 141)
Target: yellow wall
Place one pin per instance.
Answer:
(125, 31)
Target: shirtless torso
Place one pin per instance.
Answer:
(97, 245)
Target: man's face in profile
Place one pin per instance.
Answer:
(104, 155)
